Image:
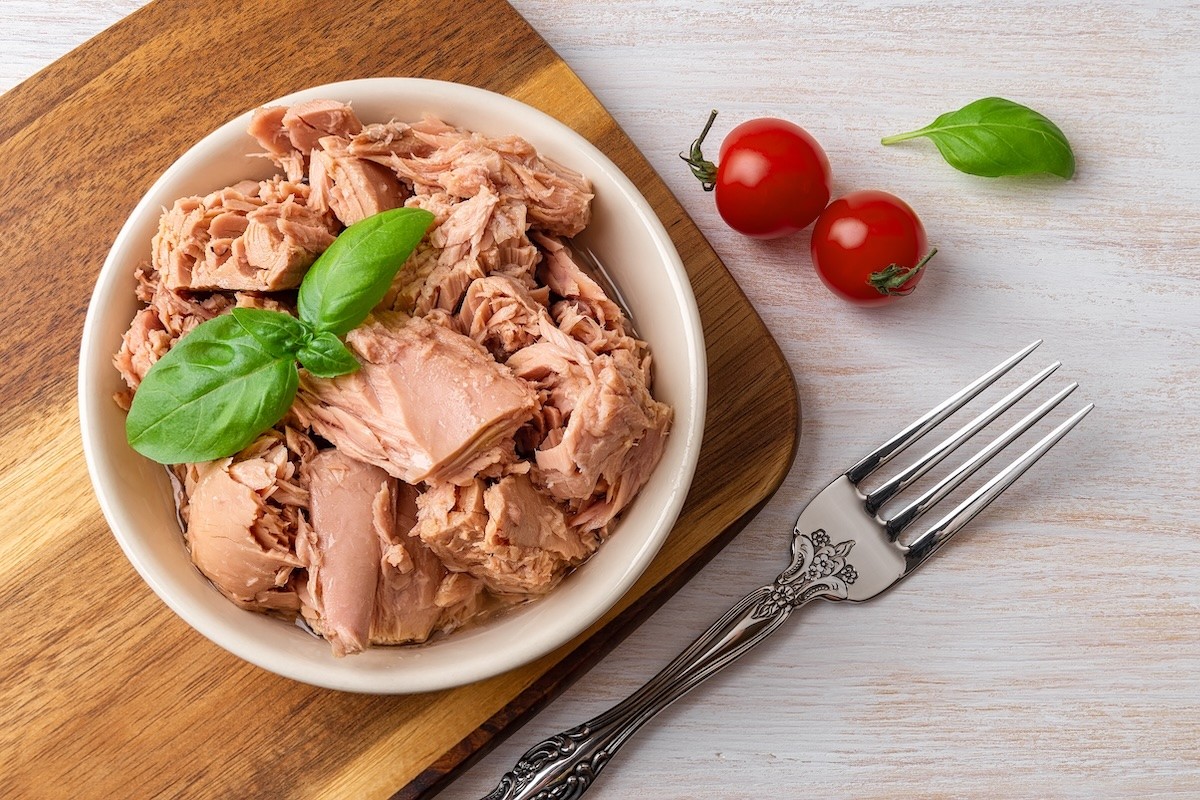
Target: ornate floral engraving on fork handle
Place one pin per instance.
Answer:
(563, 766)
(817, 568)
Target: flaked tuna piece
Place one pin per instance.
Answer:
(288, 135)
(468, 240)
(306, 123)
(382, 140)
(434, 156)
(524, 517)
(559, 366)
(509, 536)
(410, 280)
(460, 240)
(559, 199)
(352, 513)
(428, 404)
(586, 313)
(146, 341)
(513, 253)
(462, 598)
(560, 272)
(481, 236)
(353, 188)
(637, 465)
(168, 316)
(370, 580)
(266, 126)
(613, 438)
(252, 237)
(578, 321)
(499, 313)
(242, 517)
(411, 576)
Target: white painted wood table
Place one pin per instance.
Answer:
(1054, 649)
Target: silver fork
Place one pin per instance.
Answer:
(842, 549)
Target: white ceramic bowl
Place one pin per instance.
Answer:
(135, 495)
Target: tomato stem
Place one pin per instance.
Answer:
(892, 278)
(704, 170)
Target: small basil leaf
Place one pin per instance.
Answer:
(352, 276)
(212, 393)
(280, 334)
(326, 357)
(993, 137)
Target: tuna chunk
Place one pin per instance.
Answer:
(266, 126)
(242, 520)
(306, 123)
(434, 156)
(351, 187)
(462, 597)
(352, 512)
(567, 279)
(253, 237)
(585, 312)
(509, 536)
(428, 404)
(613, 438)
(407, 607)
(499, 313)
(168, 316)
(559, 366)
(370, 579)
(144, 343)
(478, 237)
(289, 134)
(459, 241)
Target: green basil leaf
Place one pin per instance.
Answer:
(326, 357)
(352, 276)
(280, 334)
(212, 393)
(993, 137)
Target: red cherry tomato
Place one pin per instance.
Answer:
(869, 247)
(772, 179)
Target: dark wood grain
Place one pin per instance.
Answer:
(105, 688)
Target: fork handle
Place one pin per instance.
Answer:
(563, 766)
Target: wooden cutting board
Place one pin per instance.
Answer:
(105, 692)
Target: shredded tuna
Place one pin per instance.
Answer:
(501, 418)
(499, 313)
(250, 237)
(613, 437)
(243, 516)
(168, 316)
(351, 187)
(434, 156)
(509, 536)
(288, 135)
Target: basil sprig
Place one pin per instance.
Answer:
(235, 376)
(353, 275)
(993, 137)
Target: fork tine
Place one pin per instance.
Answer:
(906, 477)
(929, 541)
(952, 481)
(883, 454)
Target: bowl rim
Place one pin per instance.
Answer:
(410, 678)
